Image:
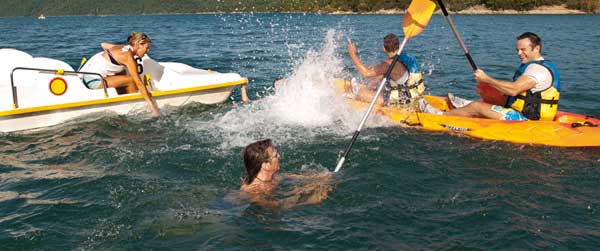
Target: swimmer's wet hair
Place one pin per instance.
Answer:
(255, 155)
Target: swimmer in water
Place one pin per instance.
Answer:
(261, 160)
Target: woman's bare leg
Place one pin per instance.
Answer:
(122, 81)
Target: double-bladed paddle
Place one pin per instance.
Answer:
(487, 93)
(415, 20)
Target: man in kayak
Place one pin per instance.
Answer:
(405, 81)
(532, 94)
(112, 64)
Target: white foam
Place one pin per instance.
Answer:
(304, 107)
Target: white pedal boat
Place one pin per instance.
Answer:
(40, 92)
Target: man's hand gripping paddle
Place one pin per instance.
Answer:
(487, 93)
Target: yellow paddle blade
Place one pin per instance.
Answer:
(417, 16)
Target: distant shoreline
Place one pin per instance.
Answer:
(482, 10)
(474, 10)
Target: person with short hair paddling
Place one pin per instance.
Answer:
(415, 20)
(532, 94)
(405, 83)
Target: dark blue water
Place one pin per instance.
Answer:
(128, 182)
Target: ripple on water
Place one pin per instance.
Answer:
(130, 182)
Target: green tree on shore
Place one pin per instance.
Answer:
(122, 7)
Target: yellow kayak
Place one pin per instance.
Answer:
(567, 129)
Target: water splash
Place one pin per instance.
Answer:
(307, 97)
(305, 106)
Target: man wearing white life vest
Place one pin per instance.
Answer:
(533, 93)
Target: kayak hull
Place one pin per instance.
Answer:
(567, 130)
(126, 104)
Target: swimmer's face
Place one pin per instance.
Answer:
(273, 159)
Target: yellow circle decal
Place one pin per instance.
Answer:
(58, 86)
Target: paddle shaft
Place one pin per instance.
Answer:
(460, 41)
(373, 101)
(487, 93)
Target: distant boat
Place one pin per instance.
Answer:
(41, 16)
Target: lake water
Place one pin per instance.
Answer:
(114, 182)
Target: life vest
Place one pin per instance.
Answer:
(541, 105)
(411, 89)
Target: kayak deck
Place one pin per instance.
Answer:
(567, 129)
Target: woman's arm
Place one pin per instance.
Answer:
(309, 175)
(314, 186)
(244, 93)
(132, 68)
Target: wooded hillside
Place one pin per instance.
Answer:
(122, 7)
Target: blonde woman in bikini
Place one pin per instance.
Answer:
(112, 62)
